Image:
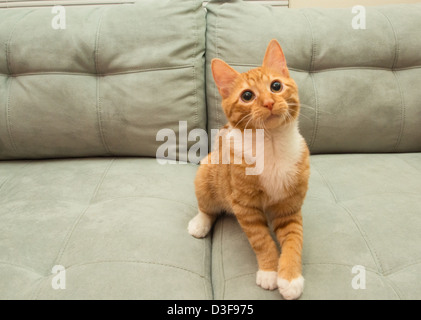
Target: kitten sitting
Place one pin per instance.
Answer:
(264, 99)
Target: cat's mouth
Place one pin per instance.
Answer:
(276, 118)
(272, 117)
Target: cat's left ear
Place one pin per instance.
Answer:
(275, 58)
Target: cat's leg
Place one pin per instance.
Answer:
(289, 231)
(254, 224)
(209, 209)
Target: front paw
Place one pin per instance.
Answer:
(200, 225)
(267, 279)
(291, 290)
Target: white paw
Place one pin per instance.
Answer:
(291, 290)
(200, 225)
(267, 279)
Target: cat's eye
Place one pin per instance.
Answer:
(276, 86)
(247, 96)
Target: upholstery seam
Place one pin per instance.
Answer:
(240, 276)
(196, 116)
(9, 41)
(21, 267)
(380, 194)
(70, 233)
(38, 291)
(118, 73)
(205, 265)
(313, 80)
(8, 117)
(397, 49)
(40, 73)
(394, 287)
(42, 200)
(14, 176)
(205, 288)
(38, 287)
(9, 70)
(313, 43)
(97, 38)
(4, 182)
(326, 182)
(222, 259)
(138, 262)
(316, 110)
(99, 118)
(251, 65)
(98, 97)
(401, 268)
(81, 3)
(149, 197)
(211, 261)
(367, 240)
(395, 60)
(109, 200)
(342, 265)
(403, 112)
(204, 268)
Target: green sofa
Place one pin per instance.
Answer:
(87, 212)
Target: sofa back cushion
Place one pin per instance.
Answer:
(360, 88)
(103, 85)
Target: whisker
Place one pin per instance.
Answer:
(300, 104)
(290, 118)
(307, 117)
(263, 124)
(284, 118)
(248, 123)
(247, 115)
(303, 115)
(309, 107)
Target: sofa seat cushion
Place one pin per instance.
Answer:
(362, 214)
(117, 226)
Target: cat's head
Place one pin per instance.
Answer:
(265, 97)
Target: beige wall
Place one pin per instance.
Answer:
(343, 3)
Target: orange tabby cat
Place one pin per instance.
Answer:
(264, 98)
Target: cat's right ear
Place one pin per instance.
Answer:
(224, 76)
(275, 58)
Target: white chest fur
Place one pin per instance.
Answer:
(275, 160)
(282, 151)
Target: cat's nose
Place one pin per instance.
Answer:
(268, 103)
